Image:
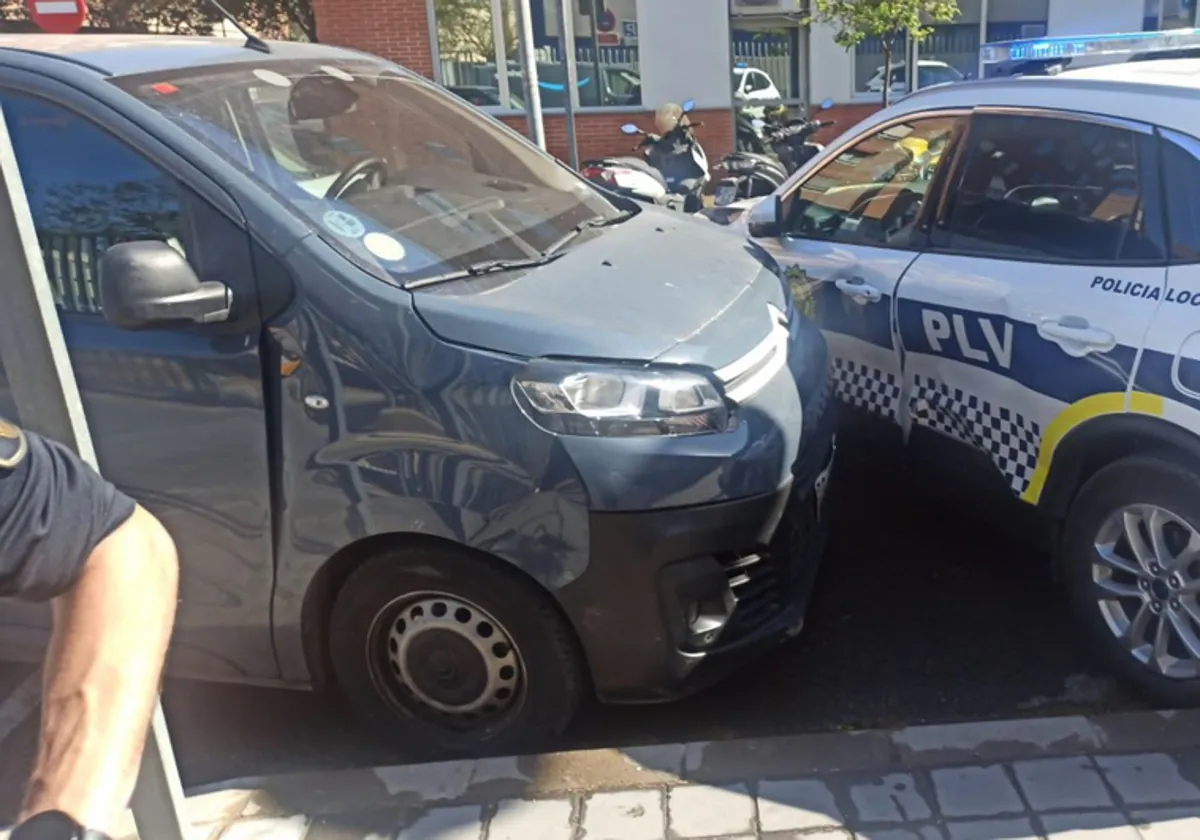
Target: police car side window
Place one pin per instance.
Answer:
(872, 193)
(1053, 190)
(1181, 162)
(87, 190)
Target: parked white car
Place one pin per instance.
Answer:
(929, 73)
(752, 86)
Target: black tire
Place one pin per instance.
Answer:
(1136, 480)
(548, 686)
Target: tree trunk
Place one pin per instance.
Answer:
(887, 72)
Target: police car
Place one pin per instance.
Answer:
(1008, 275)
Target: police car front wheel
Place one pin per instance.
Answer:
(1131, 561)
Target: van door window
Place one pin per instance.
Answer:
(87, 190)
(1050, 189)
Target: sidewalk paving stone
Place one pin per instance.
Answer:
(964, 782)
(975, 792)
(1051, 784)
(702, 811)
(891, 799)
(1148, 779)
(1089, 825)
(628, 815)
(797, 805)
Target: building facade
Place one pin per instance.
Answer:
(633, 55)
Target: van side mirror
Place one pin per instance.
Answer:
(149, 283)
(765, 218)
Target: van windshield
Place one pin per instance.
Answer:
(391, 170)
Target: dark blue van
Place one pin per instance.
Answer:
(432, 419)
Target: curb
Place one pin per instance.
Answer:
(486, 780)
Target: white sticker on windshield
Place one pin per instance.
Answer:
(337, 73)
(384, 247)
(273, 78)
(344, 224)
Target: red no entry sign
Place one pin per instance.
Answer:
(58, 17)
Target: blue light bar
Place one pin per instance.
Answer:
(1080, 46)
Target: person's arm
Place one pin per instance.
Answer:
(102, 675)
(112, 572)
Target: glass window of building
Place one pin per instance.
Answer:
(769, 46)
(1169, 14)
(951, 52)
(476, 38)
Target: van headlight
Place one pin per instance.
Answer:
(572, 398)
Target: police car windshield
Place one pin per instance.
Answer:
(392, 171)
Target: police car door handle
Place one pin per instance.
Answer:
(1076, 336)
(859, 289)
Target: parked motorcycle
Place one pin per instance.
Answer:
(748, 135)
(788, 146)
(671, 169)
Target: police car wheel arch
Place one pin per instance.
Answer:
(1131, 562)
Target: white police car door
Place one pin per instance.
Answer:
(1168, 377)
(1045, 265)
(849, 234)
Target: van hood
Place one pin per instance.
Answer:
(632, 291)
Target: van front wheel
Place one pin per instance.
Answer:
(446, 652)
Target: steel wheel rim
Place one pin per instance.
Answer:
(447, 661)
(1146, 573)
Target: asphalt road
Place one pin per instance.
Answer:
(922, 614)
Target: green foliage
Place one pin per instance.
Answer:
(465, 28)
(269, 18)
(887, 20)
(857, 20)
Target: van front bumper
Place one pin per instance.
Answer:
(674, 600)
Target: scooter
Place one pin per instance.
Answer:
(754, 174)
(747, 135)
(672, 169)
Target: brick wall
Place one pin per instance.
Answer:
(845, 116)
(395, 29)
(399, 30)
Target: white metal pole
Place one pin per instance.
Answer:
(529, 74)
(566, 40)
(47, 398)
(983, 25)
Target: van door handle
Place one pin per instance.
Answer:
(1076, 336)
(859, 289)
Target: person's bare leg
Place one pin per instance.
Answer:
(102, 675)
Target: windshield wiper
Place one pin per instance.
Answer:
(481, 268)
(495, 266)
(597, 222)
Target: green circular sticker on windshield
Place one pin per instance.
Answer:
(344, 224)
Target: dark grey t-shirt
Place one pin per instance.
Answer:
(54, 511)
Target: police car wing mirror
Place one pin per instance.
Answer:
(149, 283)
(630, 128)
(763, 222)
(689, 105)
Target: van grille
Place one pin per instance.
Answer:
(762, 579)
